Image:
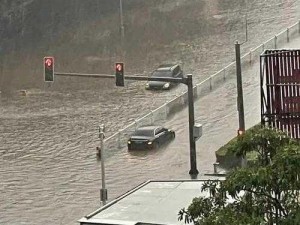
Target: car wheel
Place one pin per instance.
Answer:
(173, 135)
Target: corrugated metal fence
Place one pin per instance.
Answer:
(280, 90)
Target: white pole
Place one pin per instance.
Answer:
(103, 190)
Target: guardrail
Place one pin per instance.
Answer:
(160, 114)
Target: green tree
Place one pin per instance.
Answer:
(266, 192)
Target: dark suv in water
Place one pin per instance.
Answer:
(165, 70)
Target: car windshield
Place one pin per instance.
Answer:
(162, 74)
(147, 133)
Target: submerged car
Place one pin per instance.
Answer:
(149, 137)
(165, 70)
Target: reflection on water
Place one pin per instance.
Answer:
(48, 167)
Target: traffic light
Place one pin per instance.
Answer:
(49, 68)
(119, 74)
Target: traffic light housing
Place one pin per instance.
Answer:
(119, 67)
(49, 68)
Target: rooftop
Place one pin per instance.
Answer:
(153, 202)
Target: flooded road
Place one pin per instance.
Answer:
(48, 170)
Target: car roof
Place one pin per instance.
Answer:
(148, 127)
(166, 67)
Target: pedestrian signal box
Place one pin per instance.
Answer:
(119, 67)
(49, 69)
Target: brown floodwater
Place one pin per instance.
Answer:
(49, 173)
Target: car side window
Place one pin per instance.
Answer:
(179, 69)
(158, 131)
(176, 71)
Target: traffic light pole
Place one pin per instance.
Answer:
(185, 80)
(193, 158)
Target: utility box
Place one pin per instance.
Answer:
(197, 131)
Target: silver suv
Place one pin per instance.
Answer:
(165, 70)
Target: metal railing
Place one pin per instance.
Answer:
(160, 114)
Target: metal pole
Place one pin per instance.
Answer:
(193, 161)
(261, 61)
(103, 190)
(240, 101)
(246, 28)
(122, 30)
(1, 72)
(121, 19)
(1, 67)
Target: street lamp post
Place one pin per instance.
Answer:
(240, 101)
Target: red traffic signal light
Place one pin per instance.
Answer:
(119, 74)
(49, 68)
(119, 67)
(48, 62)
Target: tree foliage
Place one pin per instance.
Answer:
(267, 192)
